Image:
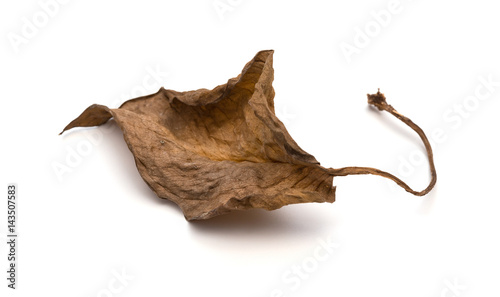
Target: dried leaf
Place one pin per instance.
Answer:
(214, 151)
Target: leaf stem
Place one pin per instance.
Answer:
(379, 101)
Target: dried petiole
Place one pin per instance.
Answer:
(378, 100)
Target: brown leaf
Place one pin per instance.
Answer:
(214, 151)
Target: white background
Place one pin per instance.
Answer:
(81, 228)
